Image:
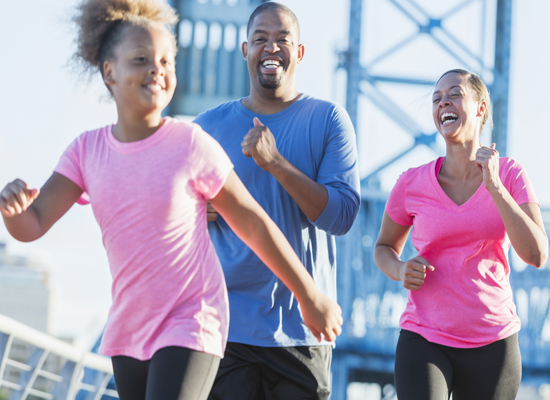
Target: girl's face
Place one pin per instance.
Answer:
(142, 74)
(457, 115)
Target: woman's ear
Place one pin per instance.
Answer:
(481, 108)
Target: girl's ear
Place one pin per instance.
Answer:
(108, 77)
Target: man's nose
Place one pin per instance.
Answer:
(271, 46)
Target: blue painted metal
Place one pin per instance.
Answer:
(532, 297)
(47, 368)
(351, 60)
(362, 80)
(4, 348)
(501, 85)
(61, 389)
(27, 378)
(213, 72)
(95, 378)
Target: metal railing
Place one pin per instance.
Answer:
(48, 368)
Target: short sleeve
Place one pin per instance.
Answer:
(519, 184)
(395, 206)
(70, 167)
(210, 164)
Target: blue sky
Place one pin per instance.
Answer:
(45, 104)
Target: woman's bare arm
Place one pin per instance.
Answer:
(387, 251)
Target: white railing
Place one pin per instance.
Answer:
(74, 371)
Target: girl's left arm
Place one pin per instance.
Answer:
(523, 222)
(255, 228)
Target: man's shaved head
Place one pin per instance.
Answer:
(273, 6)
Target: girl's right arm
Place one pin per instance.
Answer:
(387, 251)
(29, 213)
(253, 226)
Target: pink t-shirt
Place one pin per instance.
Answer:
(149, 198)
(467, 301)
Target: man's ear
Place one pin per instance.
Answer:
(301, 52)
(244, 49)
(108, 77)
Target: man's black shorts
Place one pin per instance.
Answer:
(273, 373)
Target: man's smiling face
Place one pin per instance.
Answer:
(273, 50)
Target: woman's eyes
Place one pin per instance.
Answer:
(437, 99)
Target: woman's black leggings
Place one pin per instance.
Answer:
(174, 373)
(429, 371)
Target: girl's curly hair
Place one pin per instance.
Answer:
(101, 23)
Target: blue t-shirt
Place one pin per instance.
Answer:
(317, 137)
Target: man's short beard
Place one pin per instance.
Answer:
(270, 81)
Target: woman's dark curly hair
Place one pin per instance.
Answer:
(102, 22)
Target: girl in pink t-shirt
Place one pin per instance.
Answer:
(148, 179)
(459, 329)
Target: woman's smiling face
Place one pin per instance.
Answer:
(456, 112)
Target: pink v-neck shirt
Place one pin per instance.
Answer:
(149, 198)
(467, 300)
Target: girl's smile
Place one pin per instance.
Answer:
(142, 75)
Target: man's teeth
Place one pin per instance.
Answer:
(271, 64)
(447, 118)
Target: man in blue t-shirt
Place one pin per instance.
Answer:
(297, 157)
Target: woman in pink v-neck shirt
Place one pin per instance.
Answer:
(459, 329)
(148, 179)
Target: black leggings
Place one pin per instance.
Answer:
(174, 373)
(429, 371)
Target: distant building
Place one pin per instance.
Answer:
(25, 293)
